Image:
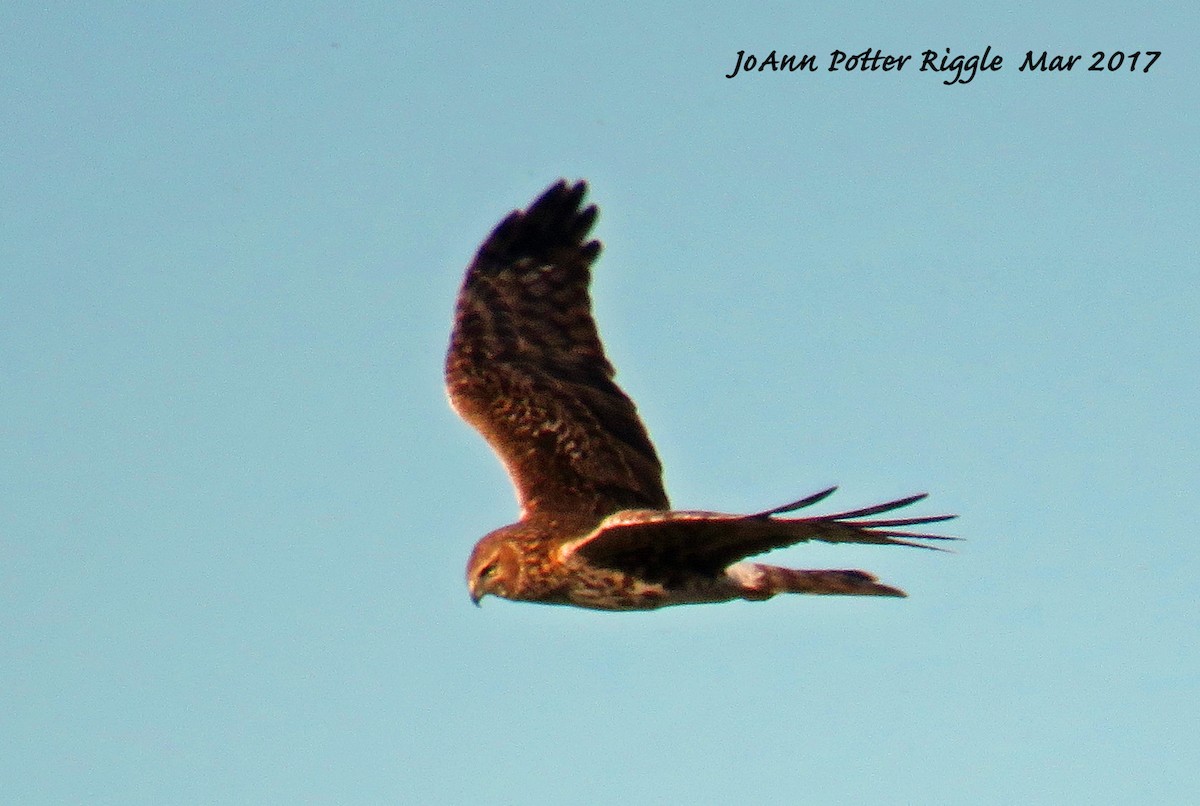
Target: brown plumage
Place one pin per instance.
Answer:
(526, 368)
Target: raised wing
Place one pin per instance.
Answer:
(661, 544)
(526, 367)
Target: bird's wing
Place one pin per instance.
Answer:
(659, 544)
(526, 367)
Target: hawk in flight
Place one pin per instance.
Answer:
(527, 370)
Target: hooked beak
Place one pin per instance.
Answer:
(476, 596)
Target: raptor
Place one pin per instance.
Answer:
(527, 369)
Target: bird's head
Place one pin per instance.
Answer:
(495, 568)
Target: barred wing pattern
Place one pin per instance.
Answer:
(526, 367)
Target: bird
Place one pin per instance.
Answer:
(526, 368)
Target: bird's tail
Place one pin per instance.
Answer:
(772, 580)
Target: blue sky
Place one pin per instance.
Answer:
(235, 507)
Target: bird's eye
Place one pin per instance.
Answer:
(488, 571)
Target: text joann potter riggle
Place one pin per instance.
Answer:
(959, 68)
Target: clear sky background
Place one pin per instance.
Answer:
(235, 507)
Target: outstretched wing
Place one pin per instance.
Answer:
(661, 544)
(527, 370)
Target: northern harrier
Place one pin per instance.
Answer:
(527, 370)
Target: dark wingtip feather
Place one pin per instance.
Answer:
(893, 539)
(878, 508)
(807, 501)
(553, 220)
(917, 535)
(908, 521)
(869, 531)
(560, 195)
